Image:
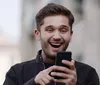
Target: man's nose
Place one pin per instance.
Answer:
(57, 35)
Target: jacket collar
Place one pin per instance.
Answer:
(39, 56)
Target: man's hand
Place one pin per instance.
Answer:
(43, 78)
(69, 75)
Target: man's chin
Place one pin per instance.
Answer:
(55, 51)
(54, 54)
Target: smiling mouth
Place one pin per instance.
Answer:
(55, 45)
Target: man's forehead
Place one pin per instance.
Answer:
(57, 20)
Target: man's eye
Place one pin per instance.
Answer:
(63, 30)
(49, 30)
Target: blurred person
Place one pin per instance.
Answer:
(54, 30)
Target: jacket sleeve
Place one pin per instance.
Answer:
(13, 79)
(30, 82)
(93, 78)
(10, 78)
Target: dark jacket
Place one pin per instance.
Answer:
(24, 73)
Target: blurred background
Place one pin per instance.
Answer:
(17, 22)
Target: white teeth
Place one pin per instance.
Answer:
(56, 44)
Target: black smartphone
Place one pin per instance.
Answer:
(65, 55)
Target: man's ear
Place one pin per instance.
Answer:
(37, 34)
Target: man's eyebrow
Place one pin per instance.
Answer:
(64, 26)
(59, 27)
(49, 26)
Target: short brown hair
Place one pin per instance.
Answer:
(52, 9)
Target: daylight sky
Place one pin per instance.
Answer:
(10, 19)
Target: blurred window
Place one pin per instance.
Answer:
(56, 1)
(78, 6)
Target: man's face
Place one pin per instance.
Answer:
(55, 35)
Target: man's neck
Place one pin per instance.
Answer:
(48, 59)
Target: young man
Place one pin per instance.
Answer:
(54, 30)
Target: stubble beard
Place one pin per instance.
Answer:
(51, 56)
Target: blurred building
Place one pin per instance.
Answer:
(9, 35)
(9, 55)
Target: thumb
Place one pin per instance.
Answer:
(48, 70)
